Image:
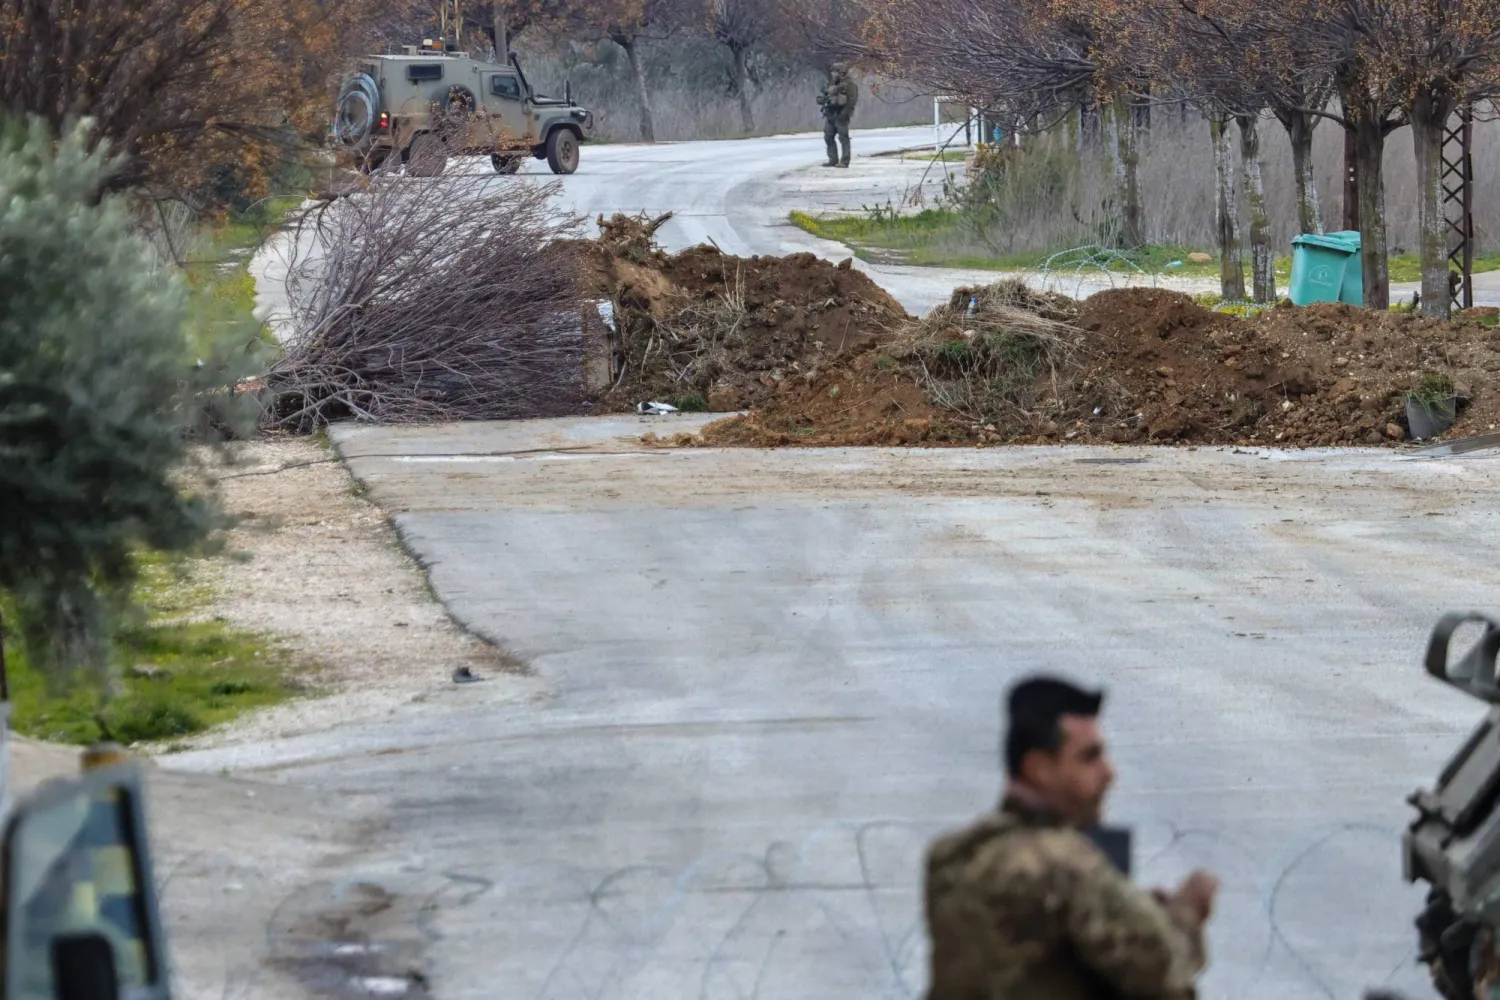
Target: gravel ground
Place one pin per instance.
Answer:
(315, 564)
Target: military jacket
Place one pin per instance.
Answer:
(1023, 907)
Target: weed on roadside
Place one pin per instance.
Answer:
(176, 675)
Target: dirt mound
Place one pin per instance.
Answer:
(864, 402)
(1143, 313)
(1134, 365)
(704, 330)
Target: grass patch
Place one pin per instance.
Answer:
(941, 238)
(944, 156)
(176, 677)
(218, 267)
(1408, 267)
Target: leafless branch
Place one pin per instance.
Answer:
(423, 299)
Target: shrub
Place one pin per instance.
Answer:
(100, 396)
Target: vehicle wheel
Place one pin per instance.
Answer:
(374, 160)
(562, 151)
(505, 164)
(359, 101)
(460, 101)
(427, 156)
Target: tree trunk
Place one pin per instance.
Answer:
(502, 37)
(1429, 114)
(1127, 174)
(1141, 112)
(1369, 154)
(1351, 181)
(638, 73)
(1299, 131)
(1262, 259)
(1231, 271)
(742, 89)
(1089, 125)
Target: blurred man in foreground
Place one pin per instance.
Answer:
(1023, 904)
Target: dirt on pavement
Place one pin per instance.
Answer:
(1133, 366)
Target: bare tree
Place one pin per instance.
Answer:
(628, 23)
(182, 87)
(823, 32)
(431, 299)
(1240, 56)
(1027, 61)
(128, 71)
(741, 26)
(1226, 212)
(1417, 62)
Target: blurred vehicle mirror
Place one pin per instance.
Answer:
(80, 918)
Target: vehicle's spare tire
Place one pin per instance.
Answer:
(359, 100)
(460, 99)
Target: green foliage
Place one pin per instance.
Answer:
(101, 393)
(954, 351)
(1007, 185)
(1408, 266)
(218, 273)
(1432, 391)
(691, 403)
(943, 237)
(180, 678)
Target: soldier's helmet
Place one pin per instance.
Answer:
(839, 68)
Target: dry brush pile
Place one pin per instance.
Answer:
(423, 299)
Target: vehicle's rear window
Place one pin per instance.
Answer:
(424, 71)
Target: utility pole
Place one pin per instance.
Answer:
(502, 36)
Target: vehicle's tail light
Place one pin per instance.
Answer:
(385, 120)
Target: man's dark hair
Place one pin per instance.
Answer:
(1034, 710)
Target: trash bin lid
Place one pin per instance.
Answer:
(1330, 241)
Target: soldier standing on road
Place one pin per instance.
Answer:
(838, 97)
(1023, 906)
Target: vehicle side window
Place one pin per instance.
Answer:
(505, 86)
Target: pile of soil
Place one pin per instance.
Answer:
(705, 330)
(868, 401)
(1155, 366)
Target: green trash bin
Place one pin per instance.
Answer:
(1353, 291)
(1319, 264)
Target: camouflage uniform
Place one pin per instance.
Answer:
(838, 98)
(1022, 907)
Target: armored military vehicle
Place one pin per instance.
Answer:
(433, 102)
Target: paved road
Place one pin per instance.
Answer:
(761, 680)
(738, 194)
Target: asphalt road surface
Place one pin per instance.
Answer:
(738, 194)
(762, 680)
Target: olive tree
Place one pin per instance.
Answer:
(101, 395)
